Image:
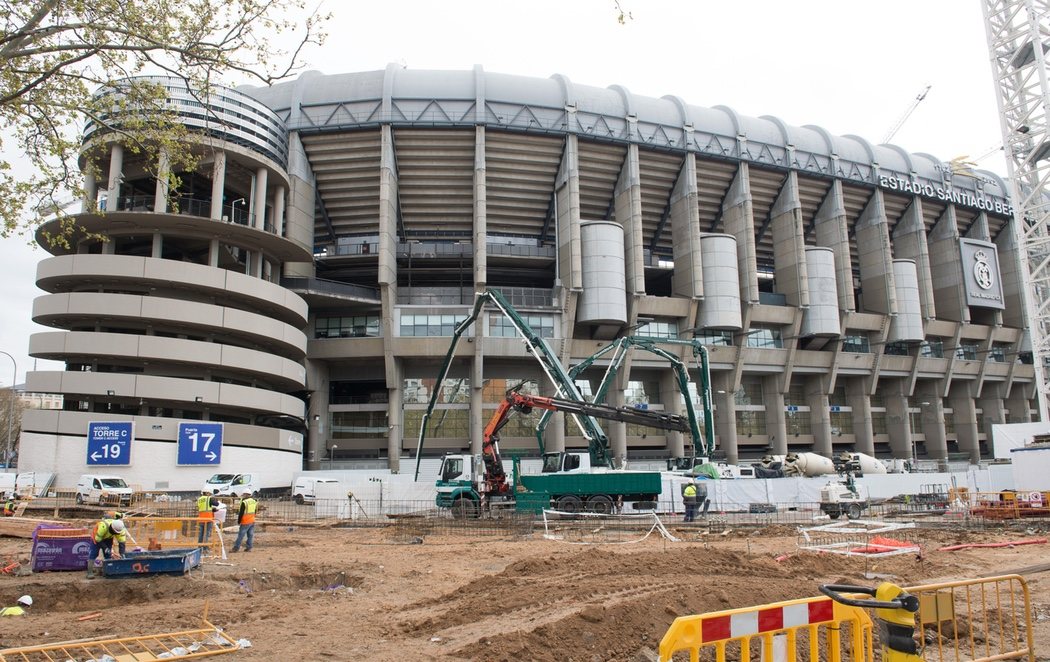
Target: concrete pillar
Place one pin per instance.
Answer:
(259, 198)
(477, 401)
(300, 205)
(109, 247)
(832, 232)
(218, 184)
(738, 219)
(776, 421)
(627, 200)
(932, 416)
(1018, 404)
(160, 200)
(158, 245)
(898, 422)
(116, 175)
(688, 278)
(88, 203)
(554, 435)
(394, 414)
(860, 403)
(725, 416)
(909, 243)
(567, 201)
(876, 258)
(819, 416)
(256, 262)
(1011, 275)
(387, 274)
(993, 412)
(317, 415)
(213, 253)
(671, 399)
(615, 430)
(789, 244)
(481, 250)
(964, 416)
(946, 268)
(278, 211)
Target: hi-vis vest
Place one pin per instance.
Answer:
(248, 511)
(13, 611)
(204, 507)
(102, 531)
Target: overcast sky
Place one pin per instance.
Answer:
(850, 67)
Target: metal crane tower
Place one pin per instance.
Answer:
(904, 118)
(1018, 34)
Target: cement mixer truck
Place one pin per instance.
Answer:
(808, 465)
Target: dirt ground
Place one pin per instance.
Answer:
(379, 594)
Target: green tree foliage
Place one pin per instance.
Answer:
(56, 56)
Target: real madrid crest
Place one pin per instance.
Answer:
(982, 273)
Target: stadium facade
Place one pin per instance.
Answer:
(303, 289)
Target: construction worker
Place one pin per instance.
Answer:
(206, 507)
(689, 497)
(105, 532)
(702, 502)
(24, 603)
(246, 519)
(122, 537)
(9, 506)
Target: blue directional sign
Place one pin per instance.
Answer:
(200, 443)
(834, 408)
(109, 443)
(791, 408)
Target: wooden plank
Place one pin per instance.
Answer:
(23, 527)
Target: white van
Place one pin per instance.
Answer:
(232, 484)
(305, 488)
(7, 484)
(103, 490)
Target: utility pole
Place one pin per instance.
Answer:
(1016, 47)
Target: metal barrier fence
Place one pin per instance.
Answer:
(975, 620)
(371, 512)
(982, 619)
(808, 629)
(172, 533)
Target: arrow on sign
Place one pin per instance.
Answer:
(211, 456)
(95, 455)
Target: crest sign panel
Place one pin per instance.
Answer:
(981, 276)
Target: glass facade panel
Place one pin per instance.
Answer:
(715, 338)
(966, 352)
(750, 422)
(878, 422)
(856, 344)
(360, 424)
(501, 327)
(359, 326)
(798, 422)
(932, 349)
(765, 339)
(750, 393)
(658, 330)
(841, 422)
(429, 325)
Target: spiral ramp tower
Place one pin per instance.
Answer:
(168, 307)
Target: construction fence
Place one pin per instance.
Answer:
(963, 621)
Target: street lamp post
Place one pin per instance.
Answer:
(10, 406)
(331, 457)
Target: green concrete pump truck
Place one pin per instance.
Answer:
(569, 481)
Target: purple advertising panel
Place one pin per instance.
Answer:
(58, 548)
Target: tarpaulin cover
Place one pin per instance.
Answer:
(60, 548)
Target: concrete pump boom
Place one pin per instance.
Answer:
(565, 387)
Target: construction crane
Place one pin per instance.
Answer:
(904, 118)
(1016, 46)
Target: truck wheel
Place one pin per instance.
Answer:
(569, 503)
(834, 514)
(299, 499)
(462, 508)
(854, 511)
(80, 499)
(600, 503)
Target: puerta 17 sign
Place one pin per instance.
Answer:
(109, 442)
(200, 443)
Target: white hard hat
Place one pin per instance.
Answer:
(246, 492)
(117, 526)
(26, 600)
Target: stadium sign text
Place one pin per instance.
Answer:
(943, 194)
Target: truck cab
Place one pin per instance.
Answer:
(566, 462)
